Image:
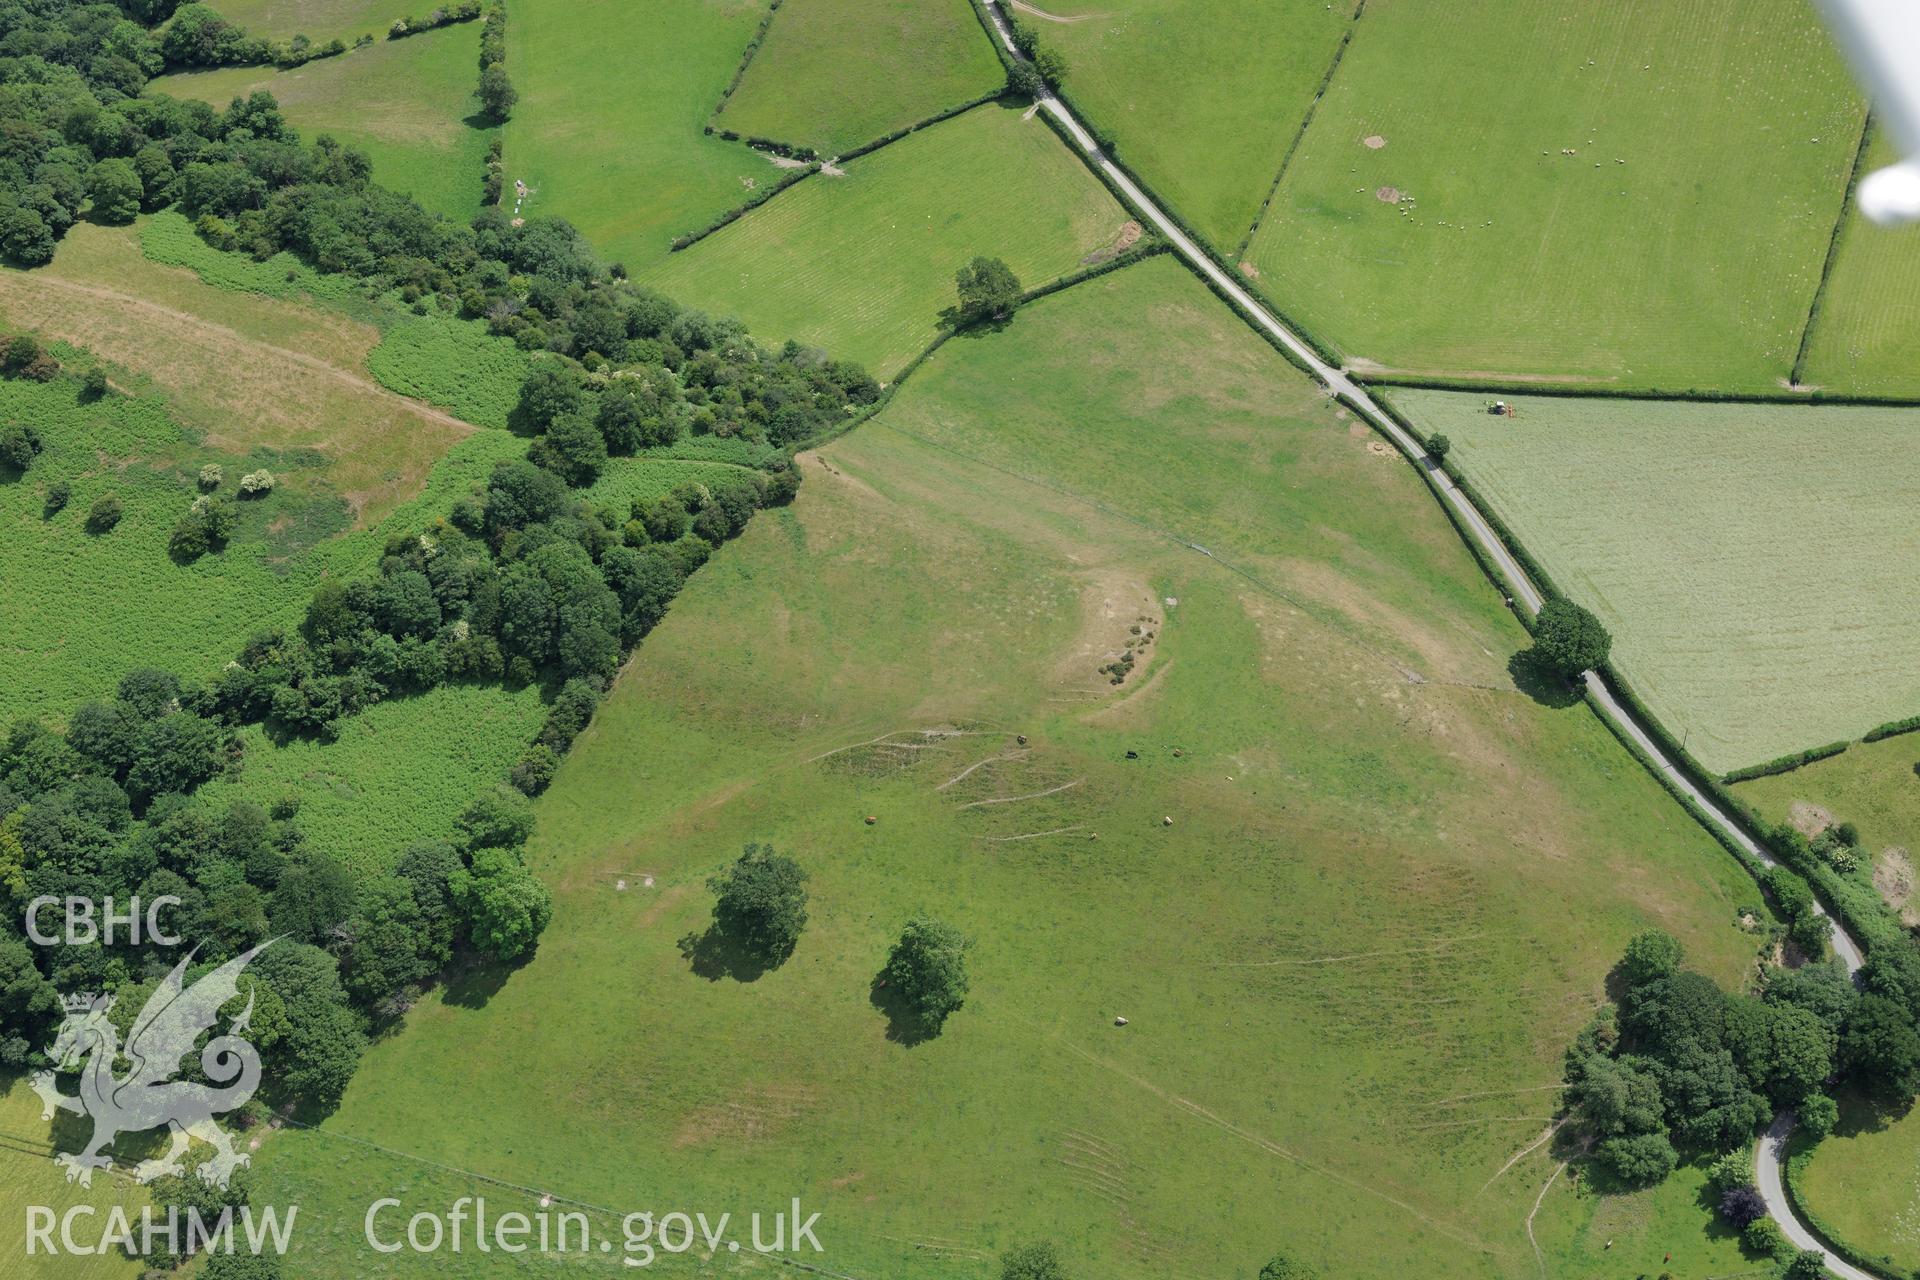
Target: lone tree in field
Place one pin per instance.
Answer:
(761, 902)
(1568, 640)
(1284, 1268)
(927, 973)
(496, 93)
(1035, 1261)
(988, 290)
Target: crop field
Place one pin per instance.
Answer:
(321, 20)
(608, 132)
(239, 370)
(1203, 97)
(1866, 340)
(862, 265)
(400, 772)
(951, 574)
(833, 74)
(1739, 553)
(405, 103)
(1637, 194)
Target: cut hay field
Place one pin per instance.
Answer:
(321, 20)
(239, 370)
(1866, 339)
(1677, 247)
(406, 103)
(1203, 97)
(1864, 1181)
(1348, 965)
(1744, 556)
(608, 132)
(833, 74)
(861, 265)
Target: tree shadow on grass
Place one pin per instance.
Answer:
(904, 1024)
(1540, 682)
(717, 954)
(475, 983)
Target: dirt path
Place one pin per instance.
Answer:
(179, 319)
(1044, 16)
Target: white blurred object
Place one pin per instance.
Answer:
(1882, 39)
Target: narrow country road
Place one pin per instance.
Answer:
(1767, 1162)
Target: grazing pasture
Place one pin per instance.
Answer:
(1203, 97)
(1866, 339)
(1873, 785)
(613, 101)
(406, 103)
(861, 265)
(1638, 194)
(239, 370)
(1347, 1003)
(1864, 1181)
(833, 74)
(28, 1176)
(1744, 556)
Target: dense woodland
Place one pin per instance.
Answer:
(524, 580)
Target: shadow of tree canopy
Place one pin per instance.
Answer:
(717, 954)
(1540, 682)
(905, 1026)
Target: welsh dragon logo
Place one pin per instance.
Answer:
(148, 1096)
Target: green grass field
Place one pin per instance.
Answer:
(833, 74)
(1867, 338)
(453, 363)
(608, 130)
(1875, 786)
(1203, 96)
(1864, 1181)
(1347, 1011)
(28, 1176)
(403, 102)
(862, 265)
(1742, 555)
(79, 598)
(321, 20)
(400, 772)
(244, 358)
(1679, 246)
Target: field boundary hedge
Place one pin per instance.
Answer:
(760, 196)
(1891, 729)
(746, 60)
(1822, 1230)
(1833, 248)
(1784, 764)
(1595, 391)
(1306, 122)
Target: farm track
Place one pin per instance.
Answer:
(1343, 388)
(187, 320)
